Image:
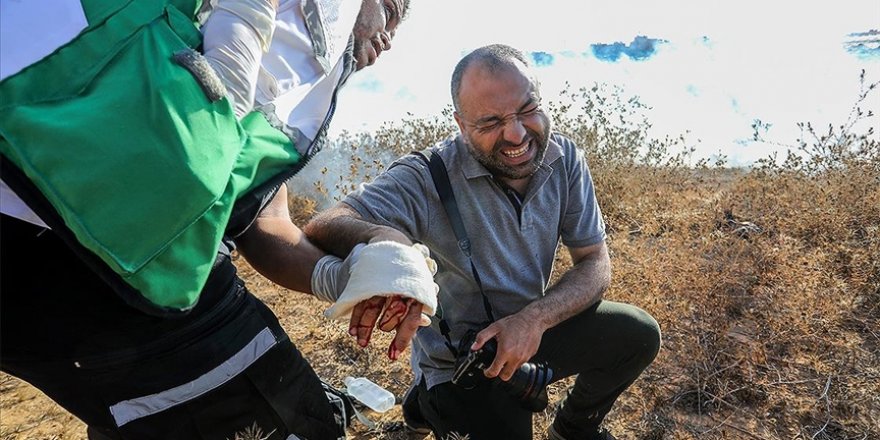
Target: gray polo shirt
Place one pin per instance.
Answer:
(513, 247)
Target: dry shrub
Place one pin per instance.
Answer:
(764, 280)
(302, 208)
(359, 158)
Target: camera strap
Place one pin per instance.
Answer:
(444, 189)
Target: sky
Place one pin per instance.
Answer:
(710, 68)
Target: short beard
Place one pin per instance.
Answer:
(500, 169)
(357, 52)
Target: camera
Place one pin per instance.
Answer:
(528, 384)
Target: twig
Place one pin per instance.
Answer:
(716, 372)
(699, 394)
(791, 382)
(714, 398)
(827, 387)
(827, 408)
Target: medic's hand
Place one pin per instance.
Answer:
(331, 274)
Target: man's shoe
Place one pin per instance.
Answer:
(602, 434)
(414, 422)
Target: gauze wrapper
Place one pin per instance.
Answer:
(389, 268)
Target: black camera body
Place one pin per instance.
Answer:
(528, 384)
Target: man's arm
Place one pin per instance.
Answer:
(279, 250)
(236, 34)
(341, 228)
(519, 335)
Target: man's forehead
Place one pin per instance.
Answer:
(482, 85)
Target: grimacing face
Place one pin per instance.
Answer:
(502, 122)
(374, 29)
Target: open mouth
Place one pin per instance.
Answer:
(519, 155)
(518, 152)
(377, 48)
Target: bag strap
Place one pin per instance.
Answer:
(444, 189)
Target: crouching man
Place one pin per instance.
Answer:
(519, 188)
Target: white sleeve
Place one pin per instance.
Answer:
(236, 35)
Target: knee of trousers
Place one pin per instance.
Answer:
(645, 336)
(636, 334)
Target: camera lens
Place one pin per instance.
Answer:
(529, 385)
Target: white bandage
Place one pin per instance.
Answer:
(389, 268)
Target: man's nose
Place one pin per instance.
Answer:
(514, 131)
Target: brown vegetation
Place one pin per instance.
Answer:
(766, 283)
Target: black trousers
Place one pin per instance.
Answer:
(65, 332)
(607, 346)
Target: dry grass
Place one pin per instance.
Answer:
(766, 283)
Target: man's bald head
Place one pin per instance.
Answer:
(493, 58)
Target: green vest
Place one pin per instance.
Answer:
(140, 165)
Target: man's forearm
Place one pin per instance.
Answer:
(277, 249)
(341, 228)
(580, 288)
(281, 253)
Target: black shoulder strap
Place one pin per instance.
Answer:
(444, 190)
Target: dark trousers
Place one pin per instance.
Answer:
(65, 332)
(607, 346)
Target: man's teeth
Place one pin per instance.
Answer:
(516, 153)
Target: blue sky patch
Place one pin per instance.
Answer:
(641, 48)
(864, 45)
(542, 59)
(706, 41)
(369, 83)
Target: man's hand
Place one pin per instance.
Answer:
(391, 313)
(518, 337)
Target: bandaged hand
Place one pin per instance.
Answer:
(392, 313)
(389, 268)
(391, 285)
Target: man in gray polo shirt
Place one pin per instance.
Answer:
(520, 189)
